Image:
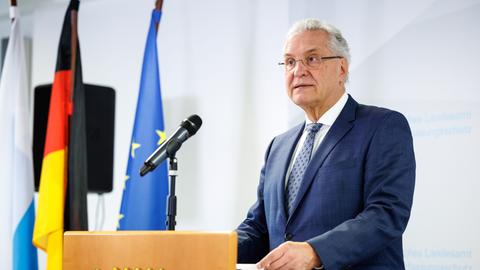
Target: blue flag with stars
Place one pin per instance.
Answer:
(144, 198)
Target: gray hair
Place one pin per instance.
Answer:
(337, 43)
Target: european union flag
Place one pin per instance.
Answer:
(144, 198)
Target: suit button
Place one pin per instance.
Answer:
(288, 237)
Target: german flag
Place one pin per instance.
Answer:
(62, 201)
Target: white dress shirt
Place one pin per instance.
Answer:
(327, 120)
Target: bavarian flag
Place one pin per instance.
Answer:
(65, 150)
(144, 198)
(17, 208)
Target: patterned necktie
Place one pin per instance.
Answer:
(300, 165)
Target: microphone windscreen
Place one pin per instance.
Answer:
(192, 124)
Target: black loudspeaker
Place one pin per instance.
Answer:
(100, 118)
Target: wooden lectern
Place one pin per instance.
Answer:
(155, 250)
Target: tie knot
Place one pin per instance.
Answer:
(313, 128)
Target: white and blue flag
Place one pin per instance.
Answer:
(17, 211)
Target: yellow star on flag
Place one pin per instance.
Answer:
(161, 135)
(134, 147)
(119, 218)
(125, 181)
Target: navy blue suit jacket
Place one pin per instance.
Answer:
(355, 199)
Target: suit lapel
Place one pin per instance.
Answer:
(285, 151)
(340, 127)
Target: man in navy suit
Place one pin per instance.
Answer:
(336, 191)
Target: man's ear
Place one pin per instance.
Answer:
(343, 70)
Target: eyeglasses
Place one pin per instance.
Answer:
(311, 61)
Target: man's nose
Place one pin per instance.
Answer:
(300, 69)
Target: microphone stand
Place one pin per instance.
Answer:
(172, 199)
(172, 148)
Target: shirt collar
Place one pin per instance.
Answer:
(329, 117)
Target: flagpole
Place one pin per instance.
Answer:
(172, 165)
(73, 42)
(158, 6)
(13, 4)
(73, 67)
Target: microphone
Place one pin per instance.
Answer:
(168, 148)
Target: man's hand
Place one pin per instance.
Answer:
(290, 255)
